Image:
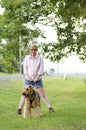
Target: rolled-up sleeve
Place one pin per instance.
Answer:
(41, 68)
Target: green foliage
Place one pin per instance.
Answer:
(66, 21)
(63, 15)
(68, 97)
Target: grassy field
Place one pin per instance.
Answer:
(68, 98)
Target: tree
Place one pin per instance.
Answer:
(63, 15)
(14, 24)
(68, 21)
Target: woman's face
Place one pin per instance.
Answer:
(33, 51)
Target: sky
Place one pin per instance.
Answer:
(69, 65)
(1, 10)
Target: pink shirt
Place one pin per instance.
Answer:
(33, 66)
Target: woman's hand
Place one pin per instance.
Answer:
(36, 78)
(28, 78)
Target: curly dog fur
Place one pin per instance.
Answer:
(32, 102)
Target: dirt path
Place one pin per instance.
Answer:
(6, 79)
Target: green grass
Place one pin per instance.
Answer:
(68, 98)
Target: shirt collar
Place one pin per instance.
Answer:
(35, 57)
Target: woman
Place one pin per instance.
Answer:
(33, 70)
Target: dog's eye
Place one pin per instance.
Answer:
(26, 88)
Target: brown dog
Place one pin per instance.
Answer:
(32, 101)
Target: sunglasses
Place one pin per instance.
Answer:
(33, 49)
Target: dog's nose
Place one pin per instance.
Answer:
(23, 94)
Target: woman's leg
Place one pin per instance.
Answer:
(46, 101)
(22, 101)
(21, 104)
